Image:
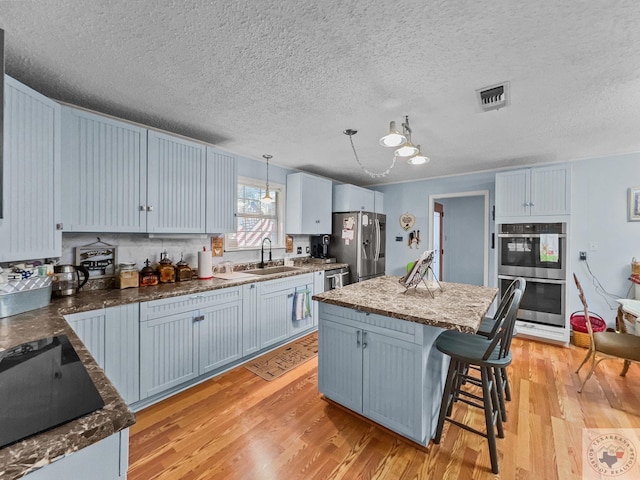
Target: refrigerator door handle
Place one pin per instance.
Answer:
(377, 254)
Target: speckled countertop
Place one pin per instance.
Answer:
(457, 307)
(20, 458)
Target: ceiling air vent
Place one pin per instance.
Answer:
(494, 97)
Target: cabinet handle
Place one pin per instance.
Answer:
(253, 285)
(150, 208)
(59, 226)
(143, 208)
(532, 204)
(364, 340)
(357, 338)
(290, 295)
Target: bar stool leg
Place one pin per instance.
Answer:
(447, 399)
(507, 388)
(497, 373)
(485, 374)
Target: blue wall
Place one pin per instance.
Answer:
(413, 197)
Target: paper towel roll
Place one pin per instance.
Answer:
(204, 265)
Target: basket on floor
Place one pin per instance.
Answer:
(579, 333)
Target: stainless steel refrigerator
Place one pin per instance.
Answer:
(358, 239)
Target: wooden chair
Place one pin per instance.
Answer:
(607, 345)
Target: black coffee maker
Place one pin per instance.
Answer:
(320, 246)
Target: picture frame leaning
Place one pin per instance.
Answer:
(634, 204)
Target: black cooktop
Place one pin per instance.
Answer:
(42, 384)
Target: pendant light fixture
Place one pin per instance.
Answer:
(405, 148)
(267, 198)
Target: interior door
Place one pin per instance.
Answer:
(438, 228)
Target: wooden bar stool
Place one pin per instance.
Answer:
(488, 355)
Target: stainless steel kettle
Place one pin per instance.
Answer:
(66, 280)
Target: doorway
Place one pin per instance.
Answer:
(466, 231)
(438, 228)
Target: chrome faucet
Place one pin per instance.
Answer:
(262, 251)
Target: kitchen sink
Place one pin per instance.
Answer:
(271, 270)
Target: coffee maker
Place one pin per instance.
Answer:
(320, 246)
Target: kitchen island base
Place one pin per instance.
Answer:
(382, 368)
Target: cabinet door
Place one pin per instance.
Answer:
(176, 196)
(308, 204)
(167, 355)
(31, 175)
(219, 335)
(90, 328)
(513, 193)
(222, 185)
(340, 363)
(122, 350)
(318, 287)
(104, 181)
(378, 202)
(391, 385)
(550, 191)
(350, 198)
(274, 316)
(250, 325)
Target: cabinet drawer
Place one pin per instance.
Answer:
(185, 303)
(285, 283)
(391, 327)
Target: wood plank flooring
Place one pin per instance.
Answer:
(238, 426)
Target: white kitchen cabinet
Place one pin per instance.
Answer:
(275, 308)
(184, 337)
(221, 195)
(176, 184)
(308, 204)
(318, 287)
(351, 198)
(250, 325)
(30, 223)
(374, 366)
(105, 174)
(533, 192)
(112, 337)
(378, 202)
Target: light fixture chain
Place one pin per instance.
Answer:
(368, 172)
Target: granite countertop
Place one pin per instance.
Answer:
(22, 457)
(457, 307)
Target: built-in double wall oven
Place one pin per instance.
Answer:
(538, 253)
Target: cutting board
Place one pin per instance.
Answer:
(233, 276)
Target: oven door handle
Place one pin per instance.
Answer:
(527, 235)
(532, 279)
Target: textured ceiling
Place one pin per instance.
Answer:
(286, 77)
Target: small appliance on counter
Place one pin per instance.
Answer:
(166, 271)
(320, 249)
(148, 275)
(66, 279)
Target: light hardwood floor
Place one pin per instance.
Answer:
(238, 426)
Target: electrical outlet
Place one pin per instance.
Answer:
(299, 250)
(583, 255)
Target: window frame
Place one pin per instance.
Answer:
(280, 191)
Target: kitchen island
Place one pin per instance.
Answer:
(376, 355)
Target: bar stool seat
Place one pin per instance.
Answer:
(488, 356)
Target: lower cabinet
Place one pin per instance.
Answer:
(112, 337)
(276, 314)
(377, 371)
(203, 334)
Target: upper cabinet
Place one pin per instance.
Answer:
(31, 174)
(351, 198)
(308, 204)
(176, 182)
(105, 174)
(120, 177)
(222, 184)
(533, 191)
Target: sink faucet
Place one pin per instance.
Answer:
(262, 251)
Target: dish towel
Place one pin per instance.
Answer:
(301, 303)
(549, 247)
(337, 281)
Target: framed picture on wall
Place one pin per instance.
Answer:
(634, 204)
